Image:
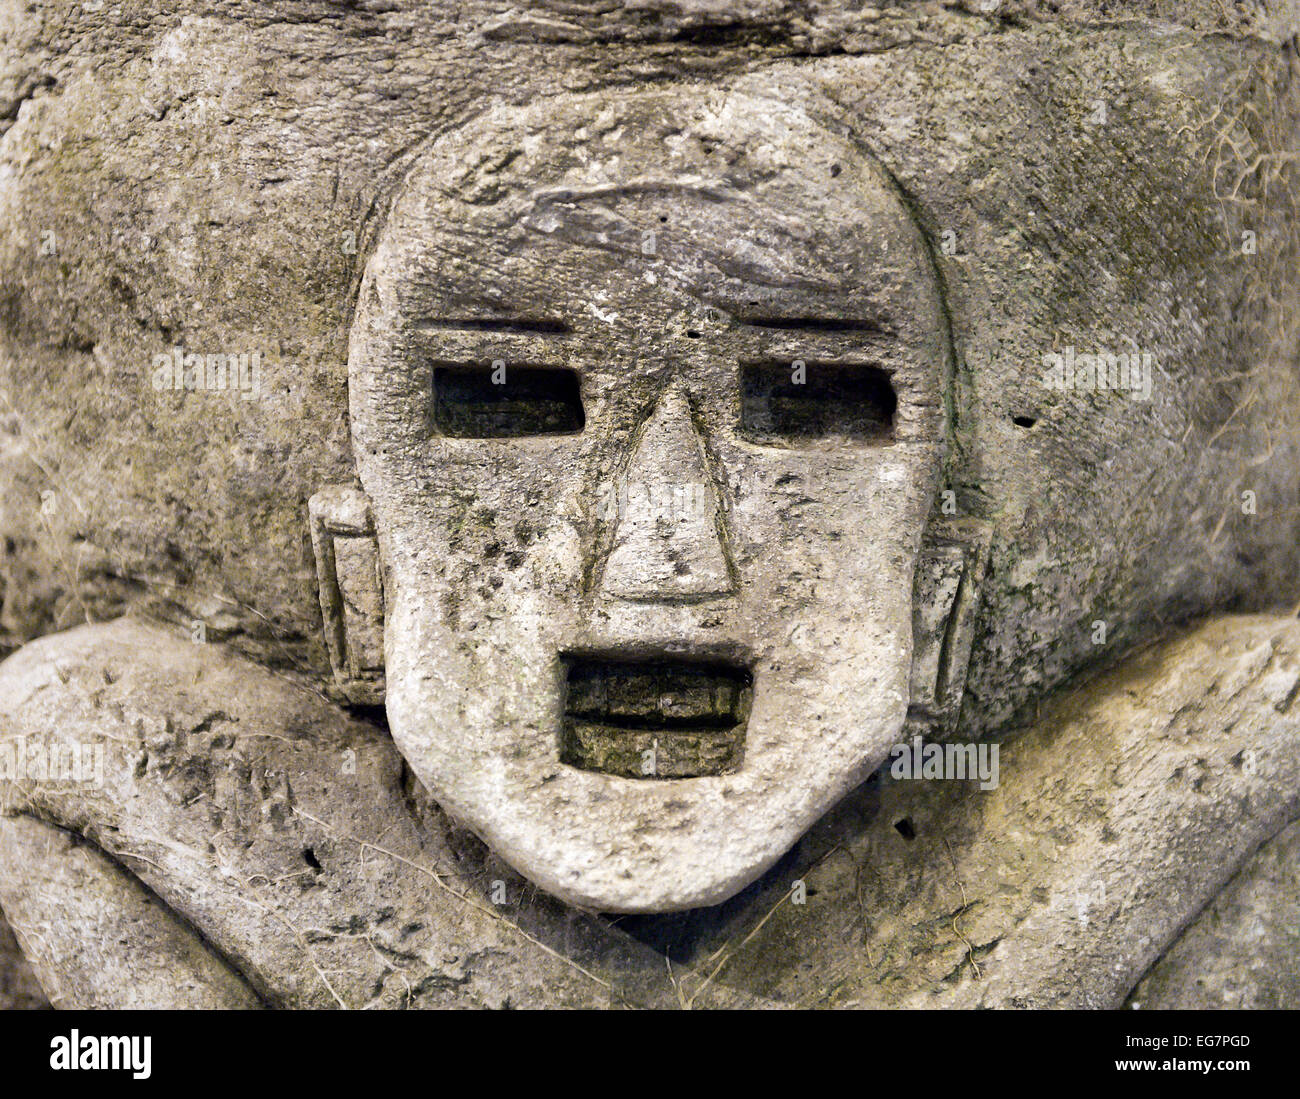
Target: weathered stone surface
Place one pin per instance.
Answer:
(603, 237)
(1241, 951)
(130, 952)
(1083, 174)
(1116, 820)
(1123, 810)
(19, 989)
(209, 170)
(256, 812)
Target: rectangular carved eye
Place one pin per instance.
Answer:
(500, 401)
(795, 401)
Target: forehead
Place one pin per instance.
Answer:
(655, 207)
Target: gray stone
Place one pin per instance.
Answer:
(656, 245)
(19, 989)
(204, 218)
(284, 837)
(1241, 951)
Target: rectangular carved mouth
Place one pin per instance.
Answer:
(661, 718)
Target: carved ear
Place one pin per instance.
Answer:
(351, 591)
(949, 572)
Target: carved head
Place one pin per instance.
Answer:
(648, 396)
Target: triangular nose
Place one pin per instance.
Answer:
(667, 544)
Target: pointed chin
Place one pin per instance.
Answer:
(486, 719)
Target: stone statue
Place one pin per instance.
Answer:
(730, 457)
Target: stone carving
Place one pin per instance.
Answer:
(946, 595)
(702, 440)
(665, 266)
(351, 591)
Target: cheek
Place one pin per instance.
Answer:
(831, 519)
(479, 554)
(497, 511)
(827, 570)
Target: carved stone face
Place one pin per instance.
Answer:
(647, 396)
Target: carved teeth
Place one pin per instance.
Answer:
(654, 719)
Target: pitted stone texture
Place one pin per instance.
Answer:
(208, 171)
(825, 26)
(130, 952)
(666, 543)
(248, 834)
(1243, 951)
(1118, 819)
(1119, 816)
(654, 244)
(19, 989)
(1106, 507)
